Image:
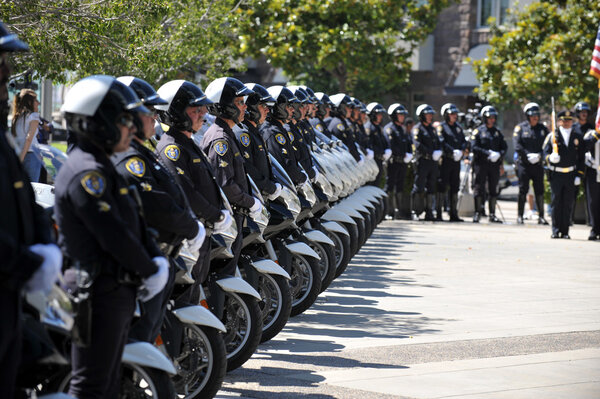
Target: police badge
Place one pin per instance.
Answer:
(245, 139)
(221, 147)
(93, 183)
(280, 139)
(136, 166)
(172, 152)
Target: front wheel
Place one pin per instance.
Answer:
(276, 304)
(326, 262)
(341, 251)
(305, 283)
(243, 319)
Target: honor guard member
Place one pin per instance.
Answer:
(401, 145)
(183, 115)
(276, 137)
(377, 145)
(30, 261)
(428, 149)
(454, 145)
(251, 143)
(340, 125)
(489, 147)
(102, 231)
(592, 181)
(582, 112)
(225, 156)
(322, 114)
(564, 153)
(297, 134)
(164, 204)
(528, 139)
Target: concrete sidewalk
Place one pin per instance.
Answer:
(440, 310)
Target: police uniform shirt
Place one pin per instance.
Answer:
(529, 139)
(484, 140)
(308, 132)
(320, 126)
(583, 129)
(399, 141)
(223, 153)
(425, 140)
(187, 162)
(360, 135)
(256, 157)
(375, 139)
(98, 220)
(341, 129)
(22, 223)
(295, 133)
(165, 207)
(452, 138)
(278, 144)
(572, 154)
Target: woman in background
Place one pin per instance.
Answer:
(25, 122)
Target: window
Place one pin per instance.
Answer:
(492, 8)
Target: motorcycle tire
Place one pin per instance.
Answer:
(353, 231)
(276, 304)
(326, 262)
(360, 224)
(201, 361)
(341, 251)
(243, 319)
(305, 284)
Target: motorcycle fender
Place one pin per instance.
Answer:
(375, 191)
(335, 228)
(238, 285)
(337, 216)
(267, 266)
(356, 204)
(301, 248)
(146, 355)
(348, 210)
(199, 315)
(362, 201)
(367, 197)
(318, 236)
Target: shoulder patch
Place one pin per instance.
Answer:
(517, 128)
(94, 183)
(172, 152)
(475, 132)
(291, 136)
(245, 139)
(415, 130)
(340, 127)
(221, 147)
(280, 139)
(136, 166)
(440, 129)
(319, 127)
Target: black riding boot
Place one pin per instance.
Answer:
(414, 198)
(454, 209)
(492, 208)
(429, 207)
(478, 206)
(390, 204)
(539, 201)
(398, 210)
(439, 202)
(520, 208)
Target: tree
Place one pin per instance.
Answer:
(156, 40)
(545, 51)
(356, 46)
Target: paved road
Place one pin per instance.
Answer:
(441, 310)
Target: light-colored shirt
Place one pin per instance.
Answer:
(21, 129)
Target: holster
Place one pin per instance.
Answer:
(82, 303)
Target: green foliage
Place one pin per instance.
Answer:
(157, 40)
(357, 46)
(545, 52)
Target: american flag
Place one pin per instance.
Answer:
(595, 72)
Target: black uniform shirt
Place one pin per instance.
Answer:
(375, 139)
(224, 155)
(296, 135)
(425, 140)
(529, 139)
(97, 218)
(484, 140)
(256, 157)
(186, 160)
(571, 155)
(278, 144)
(341, 128)
(165, 206)
(452, 138)
(399, 141)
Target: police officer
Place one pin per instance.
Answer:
(164, 204)
(225, 156)
(322, 114)
(377, 144)
(30, 261)
(582, 112)
(454, 143)
(564, 153)
(359, 118)
(489, 147)
(400, 144)
(276, 137)
(183, 115)
(252, 145)
(592, 184)
(528, 139)
(428, 149)
(340, 125)
(101, 230)
(298, 133)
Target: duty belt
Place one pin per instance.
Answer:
(562, 170)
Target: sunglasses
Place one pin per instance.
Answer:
(125, 120)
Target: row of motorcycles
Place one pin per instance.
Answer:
(302, 241)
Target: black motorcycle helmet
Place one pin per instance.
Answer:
(179, 95)
(341, 102)
(324, 103)
(423, 110)
(93, 105)
(222, 92)
(260, 95)
(448, 109)
(146, 93)
(283, 97)
(311, 94)
(582, 106)
(373, 109)
(531, 109)
(488, 111)
(302, 97)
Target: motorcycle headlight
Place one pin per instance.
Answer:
(325, 186)
(309, 193)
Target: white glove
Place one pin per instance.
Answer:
(577, 180)
(316, 174)
(155, 283)
(554, 157)
(362, 161)
(46, 275)
(255, 209)
(589, 158)
(277, 192)
(457, 155)
(494, 156)
(533, 157)
(370, 153)
(195, 243)
(224, 224)
(408, 157)
(436, 155)
(387, 154)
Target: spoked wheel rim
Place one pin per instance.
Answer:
(338, 248)
(193, 363)
(301, 279)
(237, 323)
(323, 262)
(270, 306)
